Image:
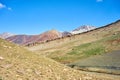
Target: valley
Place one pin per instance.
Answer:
(91, 55)
(59, 39)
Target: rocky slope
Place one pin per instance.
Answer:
(16, 63)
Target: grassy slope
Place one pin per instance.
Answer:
(16, 63)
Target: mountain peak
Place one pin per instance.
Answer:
(83, 28)
(53, 31)
(86, 27)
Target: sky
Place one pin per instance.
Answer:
(37, 16)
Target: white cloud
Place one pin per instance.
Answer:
(99, 0)
(2, 6)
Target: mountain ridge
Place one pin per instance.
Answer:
(45, 36)
(36, 39)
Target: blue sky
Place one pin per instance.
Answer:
(37, 16)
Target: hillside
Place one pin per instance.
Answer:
(72, 48)
(16, 63)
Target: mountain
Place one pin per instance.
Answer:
(31, 39)
(46, 36)
(17, 63)
(6, 35)
(83, 28)
(49, 35)
(19, 39)
(65, 33)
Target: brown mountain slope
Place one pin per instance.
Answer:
(28, 39)
(16, 63)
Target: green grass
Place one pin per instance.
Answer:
(94, 51)
(1, 78)
(87, 49)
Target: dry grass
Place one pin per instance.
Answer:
(16, 63)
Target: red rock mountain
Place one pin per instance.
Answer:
(28, 39)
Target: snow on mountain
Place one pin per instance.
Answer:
(83, 28)
(6, 35)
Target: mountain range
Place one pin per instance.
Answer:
(44, 37)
